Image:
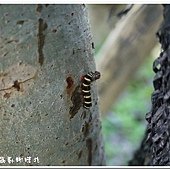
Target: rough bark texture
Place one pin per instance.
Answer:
(44, 50)
(158, 131)
(125, 50)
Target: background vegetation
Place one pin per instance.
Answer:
(124, 55)
(124, 126)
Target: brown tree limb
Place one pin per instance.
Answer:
(125, 50)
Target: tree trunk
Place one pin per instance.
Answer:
(45, 49)
(125, 50)
(158, 129)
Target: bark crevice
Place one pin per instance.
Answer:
(42, 26)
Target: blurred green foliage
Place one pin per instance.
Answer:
(123, 128)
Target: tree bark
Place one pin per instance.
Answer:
(45, 49)
(158, 129)
(125, 50)
(155, 148)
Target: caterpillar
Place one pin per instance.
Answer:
(86, 81)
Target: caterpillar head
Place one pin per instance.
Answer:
(96, 76)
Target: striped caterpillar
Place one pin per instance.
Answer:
(86, 81)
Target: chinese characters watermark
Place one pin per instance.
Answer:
(11, 160)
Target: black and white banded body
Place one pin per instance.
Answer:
(86, 81)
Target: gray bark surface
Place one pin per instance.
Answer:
(44, 50)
